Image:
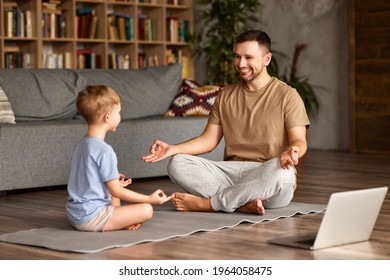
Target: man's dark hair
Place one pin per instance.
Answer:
(255, 35)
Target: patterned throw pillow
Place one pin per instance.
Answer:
(193, 99)
(6, 112)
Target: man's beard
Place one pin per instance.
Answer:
(251, 77)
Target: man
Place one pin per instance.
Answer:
(263, 122)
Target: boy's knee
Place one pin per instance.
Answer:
(148, 210)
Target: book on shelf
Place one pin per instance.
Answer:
(173, 2)
(177, 30)
(27, 63)
(51, 25)
(8, 23)
(61, 26)
(141, 26)
(56, 60)
(20, 23)
(88, 59)
(112, 61)
(146, 27)
(186, 67)
(58, 2)
(149, 30)
(11, 49)
(141, 60)
(153, 60)
(182, 30)
(120, 21)
(112, 28)
(86, 21)
(51, 61)
(118, 61)
(17, 22)
(10, 5)
(51, 8)
(68, 60)
(172, 24)
(177, 56)
(93, 26)
(53, 20)
(120, 26)
(16, 59)
(129, 27)
(29, 23)
(148, 1)
(147, 60)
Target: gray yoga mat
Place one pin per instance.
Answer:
(165, 224)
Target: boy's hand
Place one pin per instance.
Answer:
(124, 183)
(159, 197)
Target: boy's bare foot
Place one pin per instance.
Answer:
(134, 227)
(253, 207)
(188, 202)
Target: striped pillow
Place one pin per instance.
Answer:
(6, 112)
(193, 99)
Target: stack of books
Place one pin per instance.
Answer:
(87, 23)
(177, 29)
(53, 20)
(147, 60)
(88, 59)
(146, 28)
(177, 56)
(118, 61)
(120, 26)
(57, 60)
(17, 22)
(15, 58)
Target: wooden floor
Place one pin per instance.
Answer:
(320, 174)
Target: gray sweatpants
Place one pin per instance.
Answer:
(231, 184)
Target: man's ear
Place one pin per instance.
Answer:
(267, 58)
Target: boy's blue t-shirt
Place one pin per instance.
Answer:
(94, 162)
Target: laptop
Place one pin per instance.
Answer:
(350, 217)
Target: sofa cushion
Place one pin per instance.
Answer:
(41, 94)
(193, 99)
(144, 92)
(6, 112)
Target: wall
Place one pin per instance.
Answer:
(323, 26)
(369, 76)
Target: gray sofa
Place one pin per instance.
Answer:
(37, 149)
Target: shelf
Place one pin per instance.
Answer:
(139, 33)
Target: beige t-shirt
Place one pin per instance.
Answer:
(255, 123)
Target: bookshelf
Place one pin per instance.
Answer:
(107, 34)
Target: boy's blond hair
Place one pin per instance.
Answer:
(95, 100)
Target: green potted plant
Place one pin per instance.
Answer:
(301, 84)
(224, 20)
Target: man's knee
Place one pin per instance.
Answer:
(276, 167)
(174, 164)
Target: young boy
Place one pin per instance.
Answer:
(95, 186)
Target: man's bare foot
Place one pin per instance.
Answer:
(134, 227)
(188, 202)
(253, 207)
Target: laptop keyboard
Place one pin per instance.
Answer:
(306, 241)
